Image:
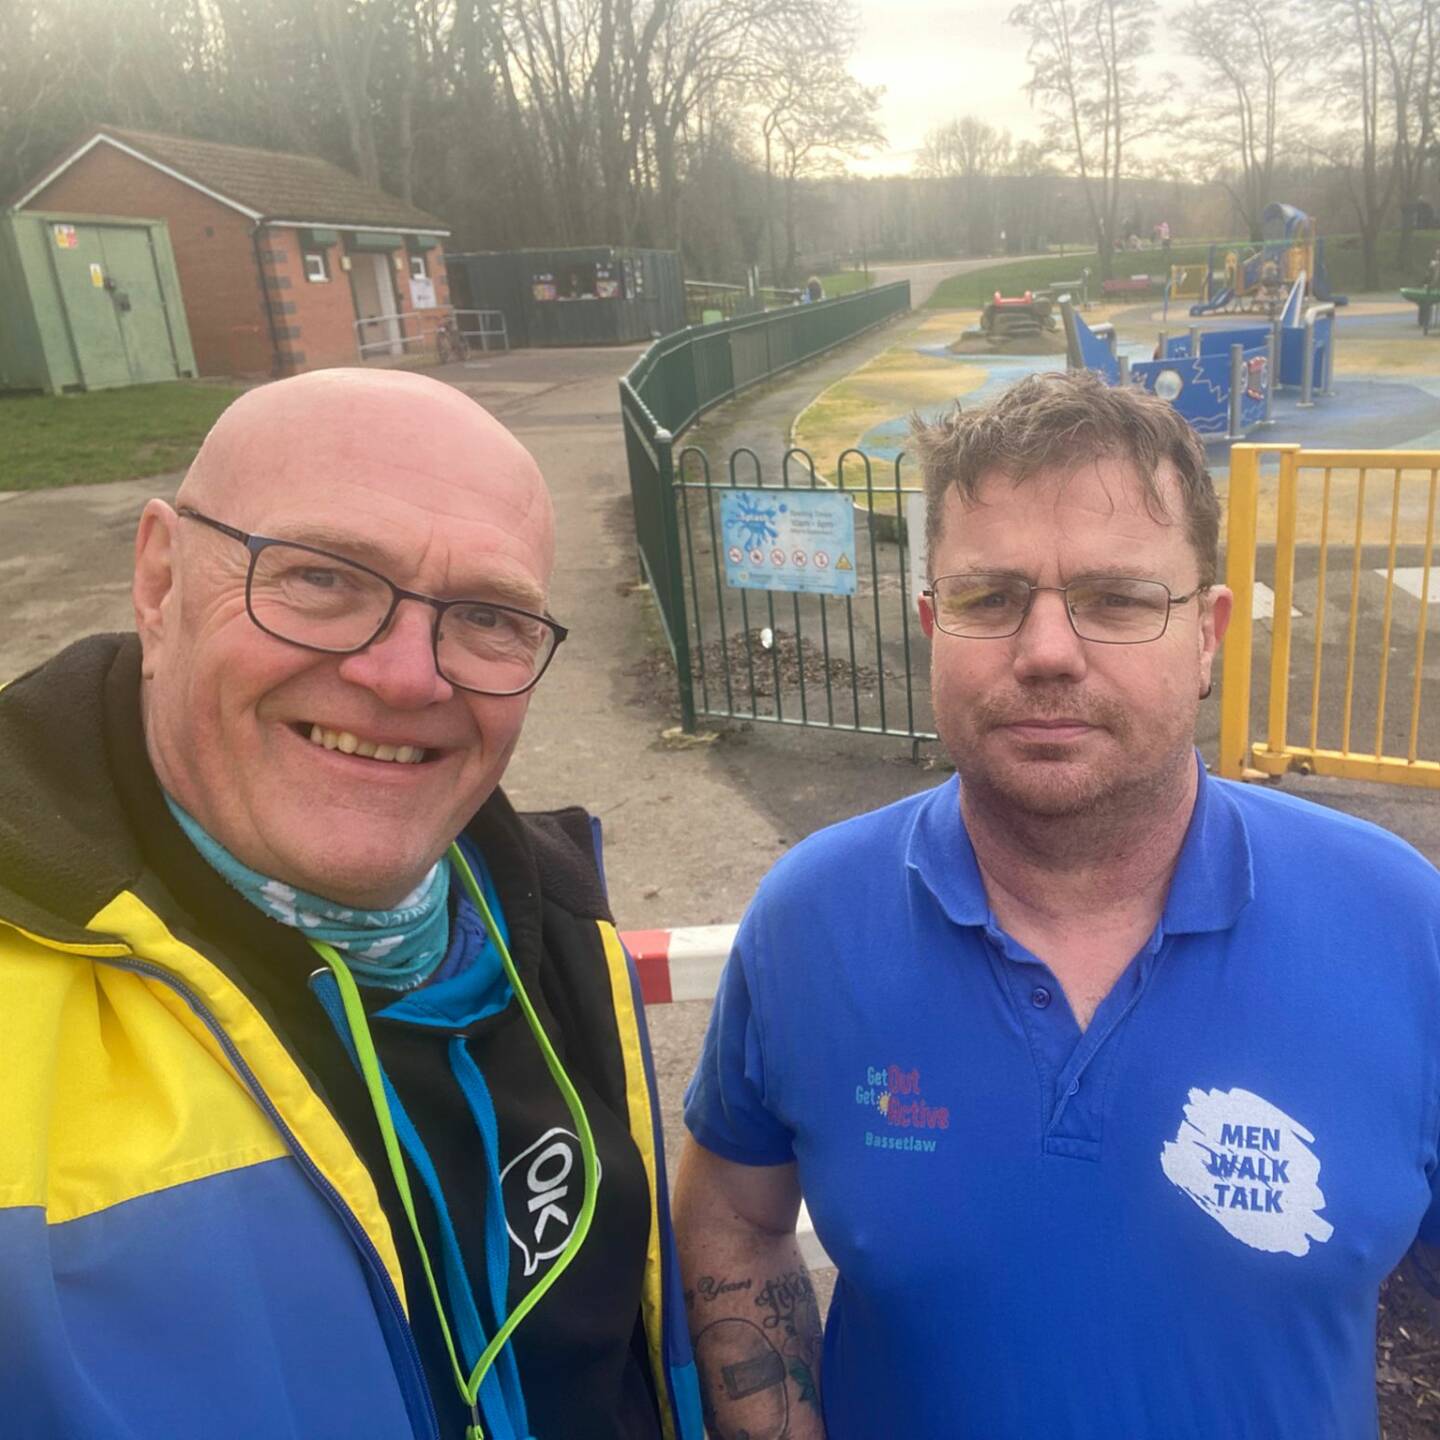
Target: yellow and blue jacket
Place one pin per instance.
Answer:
(190, 1243)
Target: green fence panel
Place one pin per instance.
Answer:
(677, 380)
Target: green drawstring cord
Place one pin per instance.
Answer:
(370, 1069)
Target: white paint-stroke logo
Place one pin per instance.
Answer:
(1248, 1165)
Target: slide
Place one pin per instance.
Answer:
(1221, 302)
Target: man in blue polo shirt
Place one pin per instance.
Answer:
(1113, 1090)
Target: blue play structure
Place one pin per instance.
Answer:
(1255, 280)
(1219, 380)
(1295, 336)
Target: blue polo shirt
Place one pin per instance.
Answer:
(1171, 1226)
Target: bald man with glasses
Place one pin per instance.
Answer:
(327, 1108)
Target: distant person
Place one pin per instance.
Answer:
(814, 290)
(315, 1053)
(1425, 310)
(1113, 1089)
(1165, 236)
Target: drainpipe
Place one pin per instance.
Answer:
(265, 300)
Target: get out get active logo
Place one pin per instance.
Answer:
(902, 1118)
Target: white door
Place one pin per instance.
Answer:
(385, 287)
(375, 305)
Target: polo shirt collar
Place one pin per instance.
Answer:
(1214, 876)
(939, 852)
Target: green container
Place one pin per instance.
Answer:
(89, 302)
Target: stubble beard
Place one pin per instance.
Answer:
(1050, 782)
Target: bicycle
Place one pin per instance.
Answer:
(450, 342)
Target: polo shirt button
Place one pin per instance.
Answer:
(1074, 1088)
(1039, 997)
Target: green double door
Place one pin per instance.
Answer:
(110, 287)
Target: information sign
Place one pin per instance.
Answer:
(915, 542)
(796, 540)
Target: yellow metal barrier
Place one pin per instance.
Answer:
(1187, 282)
(1309, 486)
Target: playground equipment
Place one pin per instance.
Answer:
(1221, 381)
(1304, 343)
(1078, 289)
(1005, 317)
(1257, 281)
(1220, 393)
(1426, 301)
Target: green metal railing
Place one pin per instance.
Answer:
(837, 662)
(679, 378)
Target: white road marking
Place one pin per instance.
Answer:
(1411, 577)
(1264, 603)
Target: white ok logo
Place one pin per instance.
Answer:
(546, 1168)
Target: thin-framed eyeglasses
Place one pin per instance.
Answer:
(318, 600)
(1107, 609)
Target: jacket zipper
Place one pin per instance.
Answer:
(418, 1385)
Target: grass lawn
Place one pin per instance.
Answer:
(1014, 277)
(1346, 267)
(892, 383)
(49, 440)
(846, 282)
(1343, 261)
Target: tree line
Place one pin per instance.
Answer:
(1348, 85)
(722, 128)
(686, 124)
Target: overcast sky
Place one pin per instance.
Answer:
(939, 59)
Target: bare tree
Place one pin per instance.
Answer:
(350, 30)
(1085, 58)
(963, 148)
(1249, 47)
(1414, 75)
(706, 55)
(967, 153)
(811, 112)
(1373, 74)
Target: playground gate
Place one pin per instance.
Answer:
(677, 380)
(854, 662)
(1358, 720)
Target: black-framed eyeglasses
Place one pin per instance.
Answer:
(1108, 609)
(317, 600)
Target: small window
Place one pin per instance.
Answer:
(417, 267)
(577, 282)
(317, 266)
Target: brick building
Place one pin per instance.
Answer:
(286, 262)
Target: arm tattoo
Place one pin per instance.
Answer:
(745, 1364)
(743, 1375)
(712, 1287)
(792, 1316)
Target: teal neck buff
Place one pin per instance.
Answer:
(397, 949)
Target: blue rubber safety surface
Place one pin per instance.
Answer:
(1365, 412)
